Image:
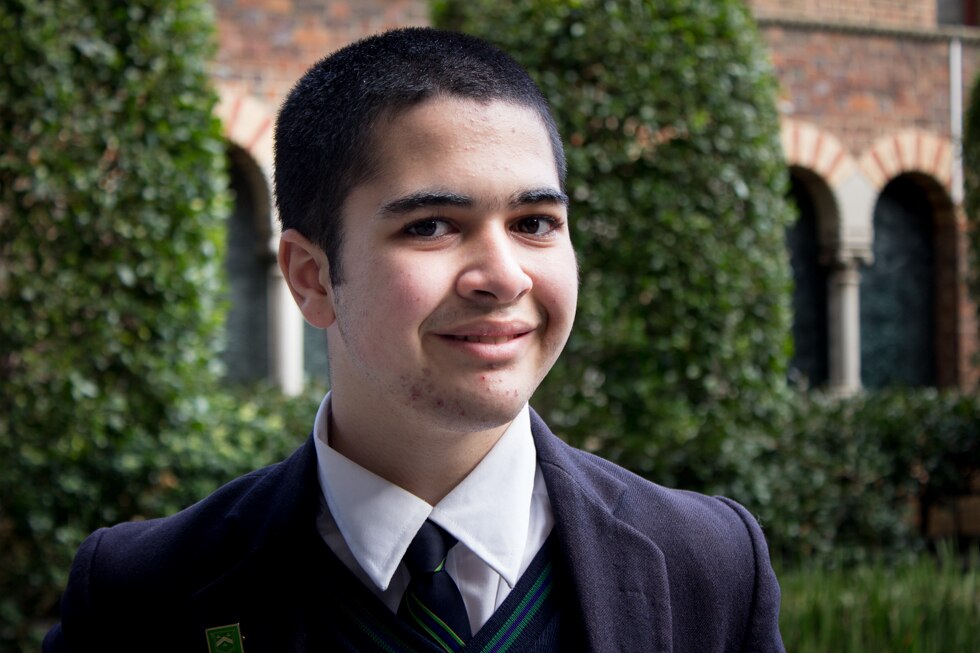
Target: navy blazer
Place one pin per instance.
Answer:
(653, 569)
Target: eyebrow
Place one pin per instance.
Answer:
(539, 196)
(423, 199)
(430, 198)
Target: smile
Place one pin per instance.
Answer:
(487, 340)
(499, 332)
(500, 346)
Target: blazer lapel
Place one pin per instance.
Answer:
(619, 574)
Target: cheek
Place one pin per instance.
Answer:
(407, 293)
(557, 287)
(565, 301)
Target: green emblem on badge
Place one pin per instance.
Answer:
(224, 639)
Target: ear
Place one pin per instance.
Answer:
(307, 273)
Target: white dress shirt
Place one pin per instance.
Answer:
(500, 514)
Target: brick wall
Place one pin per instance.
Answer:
(861, 86)
(266, 45)
(882, 13)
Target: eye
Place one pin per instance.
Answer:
(536, 225)
(428, 228)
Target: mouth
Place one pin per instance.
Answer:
(487, 340)
(494, 343)
(484, 335)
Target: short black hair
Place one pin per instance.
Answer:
(324, 131)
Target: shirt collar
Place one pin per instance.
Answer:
(488, 512)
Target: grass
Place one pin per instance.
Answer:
(929, 606)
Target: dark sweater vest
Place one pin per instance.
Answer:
(530, 620)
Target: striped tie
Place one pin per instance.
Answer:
(432, 603)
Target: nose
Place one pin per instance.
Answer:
(493, 271)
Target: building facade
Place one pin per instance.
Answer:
(871, 102)
(872, 98)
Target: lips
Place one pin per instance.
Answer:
(488, 332)
(487, 340)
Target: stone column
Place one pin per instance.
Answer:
(844, 328)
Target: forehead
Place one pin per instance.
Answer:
(464, 139)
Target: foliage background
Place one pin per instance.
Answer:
(112, 204)
(971, 183)
(929, 606)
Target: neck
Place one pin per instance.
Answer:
(423, 459)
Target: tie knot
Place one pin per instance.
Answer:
(427, 552)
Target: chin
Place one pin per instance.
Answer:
(471, 415)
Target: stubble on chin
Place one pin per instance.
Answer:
(492, 405)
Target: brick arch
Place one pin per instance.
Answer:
(909, 151)
(807, 146)
(248, 123)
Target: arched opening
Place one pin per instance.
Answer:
(908, 294)
(247, 262)
(805, 241)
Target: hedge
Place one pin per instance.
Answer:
(971, 183)
(112, 201)
(838, 481)
(678, 215)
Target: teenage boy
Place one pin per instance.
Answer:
(420, 184)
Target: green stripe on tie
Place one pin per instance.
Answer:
(435, 636)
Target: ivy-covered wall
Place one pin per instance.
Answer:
(112, 201)
(971, 182)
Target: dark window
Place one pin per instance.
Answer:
(246, 263)
(956, 12)
(898, 325)
(809, 366)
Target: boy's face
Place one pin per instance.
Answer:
(460, 281)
